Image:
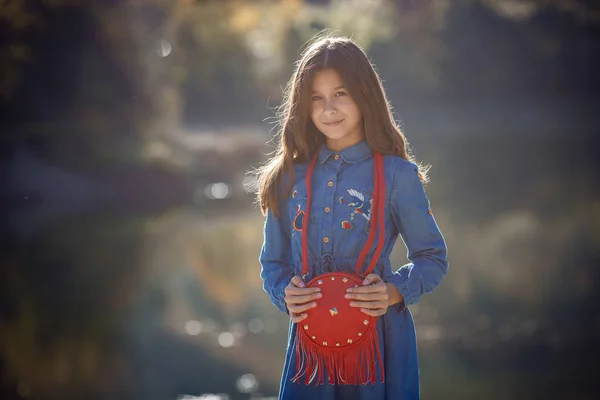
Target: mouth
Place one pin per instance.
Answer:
(333, 123)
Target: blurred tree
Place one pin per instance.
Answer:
(143, 69)
(585, 10)
(18, 20)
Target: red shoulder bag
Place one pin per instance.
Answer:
(335, 337)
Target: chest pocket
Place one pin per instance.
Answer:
(354, 208)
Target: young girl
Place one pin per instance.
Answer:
(335, 125)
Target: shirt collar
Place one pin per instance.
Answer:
(355, 153)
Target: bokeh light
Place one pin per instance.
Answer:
(226, 339)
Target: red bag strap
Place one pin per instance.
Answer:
(309, 172)
(377, 216)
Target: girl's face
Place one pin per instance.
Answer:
(334, 113)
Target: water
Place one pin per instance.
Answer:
(109, 303)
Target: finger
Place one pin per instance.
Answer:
(379, 287)
(371, 305)
(296, 291)
(374, 313)
(368, 296)
(296, 299)
(300, 308)
(298, 317)
(372, 278)
(297, 281)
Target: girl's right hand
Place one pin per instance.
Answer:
(299, 298)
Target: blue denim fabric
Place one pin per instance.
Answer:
(342, 188)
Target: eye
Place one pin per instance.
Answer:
(316, 98)
(340, 93)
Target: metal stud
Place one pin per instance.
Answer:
(333, 278)
(305, 326)
(337, 345)
(345, 280)
(333, 311)
(324, 343)
(313, 337)
(349, 340)
(366, 322)
(320, 281)
(359, 333)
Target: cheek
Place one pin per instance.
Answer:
(350, 108)
(315, 112)
(354, 112)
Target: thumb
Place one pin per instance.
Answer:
(297, 281)
(371, 278)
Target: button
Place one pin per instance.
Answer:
(326, 239)
(327, 209)
(336, 157)
(330, 183)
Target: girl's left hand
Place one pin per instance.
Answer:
(373, 296)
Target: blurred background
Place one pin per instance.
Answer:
(130, 236)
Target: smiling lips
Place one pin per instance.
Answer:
(333, 123)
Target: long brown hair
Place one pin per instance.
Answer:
(297, 138)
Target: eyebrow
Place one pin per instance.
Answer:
(335, 88)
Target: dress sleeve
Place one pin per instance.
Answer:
(411, 213)
(276, 256)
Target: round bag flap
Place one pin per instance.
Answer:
(333, 322)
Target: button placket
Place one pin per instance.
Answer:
(328, 199)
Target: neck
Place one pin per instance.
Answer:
(338, 145)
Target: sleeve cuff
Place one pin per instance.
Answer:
(400, 281)
(281, 305)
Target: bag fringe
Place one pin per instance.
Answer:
(352, 365)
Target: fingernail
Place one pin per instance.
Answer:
(314, 305)
(317, 289)
(365, 281)
(319, 295)
(348, 296)
(349, 290)
(301, 284)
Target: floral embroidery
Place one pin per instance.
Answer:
(294, 193)
(346, 225)
(358, 204)
(298, 221)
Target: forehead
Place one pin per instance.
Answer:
(326, 79)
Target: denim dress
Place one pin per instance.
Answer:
(342, 193)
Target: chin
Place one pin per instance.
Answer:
(333, 137)
(332, 133)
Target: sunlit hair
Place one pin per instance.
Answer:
(297, 138)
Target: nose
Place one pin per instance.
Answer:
(329, 107)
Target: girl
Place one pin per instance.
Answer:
(320, 196)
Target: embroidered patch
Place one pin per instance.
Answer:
(294, 193)
(358, 204)
(298, 221)
(346, 225)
